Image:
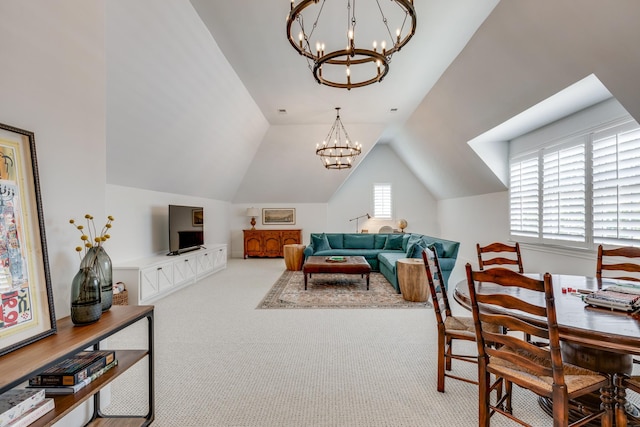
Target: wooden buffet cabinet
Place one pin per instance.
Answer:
(269, 243)
(21, 364)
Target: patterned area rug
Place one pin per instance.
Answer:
(334, 291)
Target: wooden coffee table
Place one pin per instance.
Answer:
(352, 265)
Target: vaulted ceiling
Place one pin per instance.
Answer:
(194, 91)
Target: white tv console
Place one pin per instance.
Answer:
(150, 279)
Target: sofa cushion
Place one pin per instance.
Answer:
(358, 241)
(320, 242)
(394, 242)
(379, 240)
(335, 240)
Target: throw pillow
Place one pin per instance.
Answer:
(438, 248)
(394, 242)
(320, 242)
(379, 240)
(415, 250)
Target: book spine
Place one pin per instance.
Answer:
(55, 391)
(22, 402)
(67, 379)
(34, 414)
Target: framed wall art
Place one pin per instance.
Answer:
(197, 218)
(278, 216)
(27, 313)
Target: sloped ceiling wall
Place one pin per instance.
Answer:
(179, 120)
(524, 52)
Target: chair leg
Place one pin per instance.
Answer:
(441, 361)
(449, 353)
(484, 389)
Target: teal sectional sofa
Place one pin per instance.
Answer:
(383, 250)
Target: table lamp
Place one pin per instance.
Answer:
(253, 213)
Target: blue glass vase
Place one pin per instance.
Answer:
(98, 260)
(86, 304)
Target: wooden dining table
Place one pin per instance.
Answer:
(599, 339)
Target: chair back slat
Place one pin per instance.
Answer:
(513, 324)
(510, 302)
(610, 260)
(494, 254)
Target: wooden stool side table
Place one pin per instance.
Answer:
(293, 256)
(412, 279)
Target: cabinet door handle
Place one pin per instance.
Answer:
(186, 260)
(159, 268)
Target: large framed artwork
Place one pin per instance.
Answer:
(278, 216)
(27, 313)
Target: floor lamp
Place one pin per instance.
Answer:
(356, 219)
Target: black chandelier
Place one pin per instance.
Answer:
(340, 154)
(353, 65)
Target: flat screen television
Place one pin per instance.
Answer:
(186, 228)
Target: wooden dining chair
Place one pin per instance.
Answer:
(450, 327)
(501, 297)
(499, 254)
(607, 262)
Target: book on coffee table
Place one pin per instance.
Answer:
(336, 259)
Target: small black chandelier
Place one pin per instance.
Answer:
(340, 154)
(351, 66)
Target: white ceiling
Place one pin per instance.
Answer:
(194, 89)
(252, 36)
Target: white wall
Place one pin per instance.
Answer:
(141, 226)
(411, 200)
(53, 83)
(310, 217)
(485, 219)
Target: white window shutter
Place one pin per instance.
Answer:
(523, 197)
(382, 208)
(616, 185)
(563, 194)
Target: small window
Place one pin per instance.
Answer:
(382, 207)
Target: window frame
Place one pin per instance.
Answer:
(586, 137)
(374, 197)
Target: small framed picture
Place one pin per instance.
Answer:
(278, 216)
(196, 218)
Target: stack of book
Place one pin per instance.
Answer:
(20, 407)
(72, 374)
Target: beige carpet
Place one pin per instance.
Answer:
(222, 363)
(335, 291)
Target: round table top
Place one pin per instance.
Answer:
(578, 322)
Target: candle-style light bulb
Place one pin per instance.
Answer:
(398, 34)
(300, 37)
